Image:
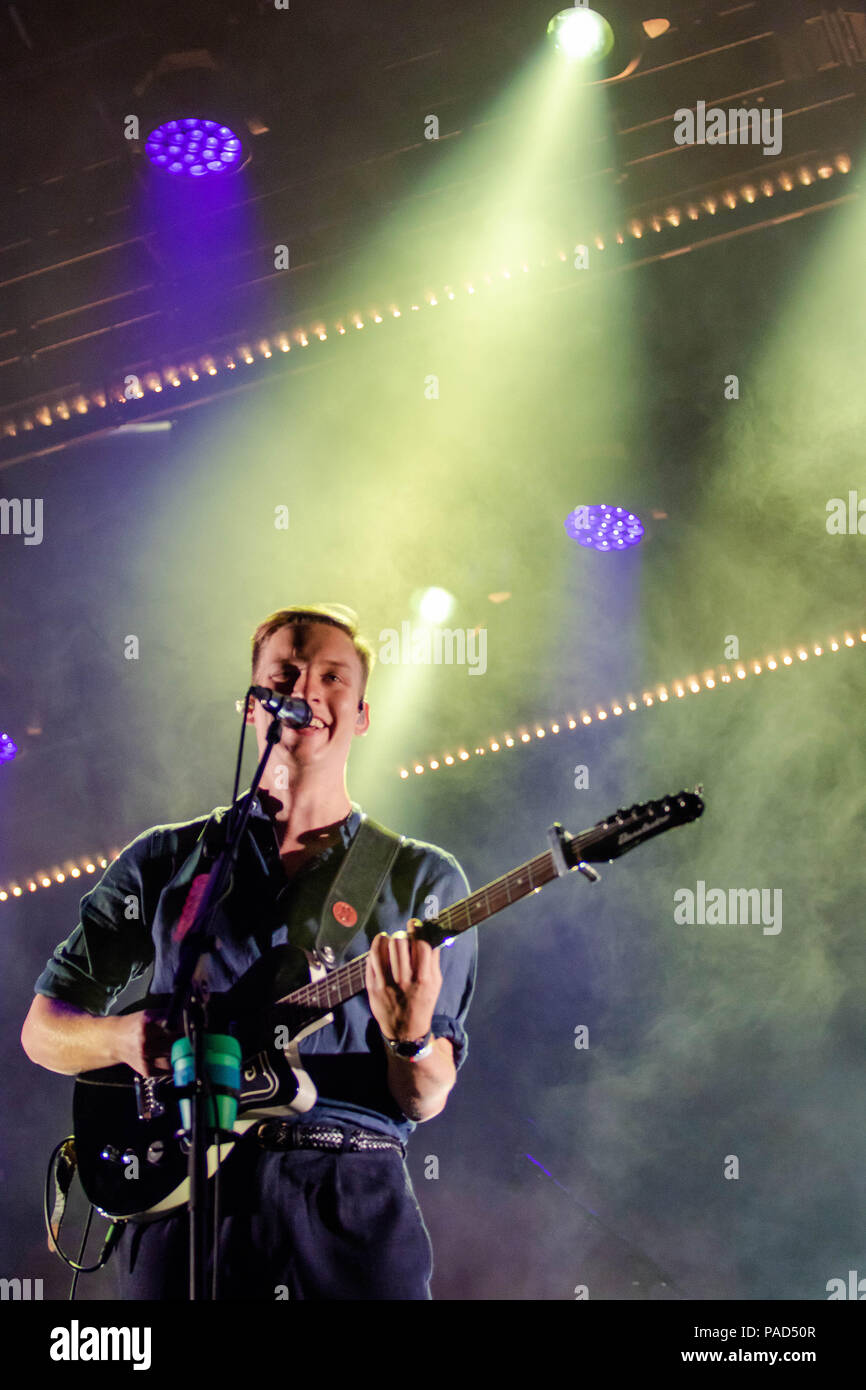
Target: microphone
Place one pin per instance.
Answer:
(290, 708)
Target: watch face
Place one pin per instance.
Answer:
(409, 1049)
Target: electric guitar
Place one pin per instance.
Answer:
(131, 1151)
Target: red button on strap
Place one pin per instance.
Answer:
(345, 914)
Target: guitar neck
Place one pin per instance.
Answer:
(348, 980)
(607, 840)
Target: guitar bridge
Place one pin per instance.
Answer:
(150, 1107)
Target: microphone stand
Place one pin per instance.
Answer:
(189, 1005)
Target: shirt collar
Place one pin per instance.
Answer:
(348, 828)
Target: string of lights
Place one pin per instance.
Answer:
(45, 880)
(678, 689)
(153, 382)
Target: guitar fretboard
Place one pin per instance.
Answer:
(348, 980)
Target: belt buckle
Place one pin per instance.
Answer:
(271, 1135)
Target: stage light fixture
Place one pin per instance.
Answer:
(435, 605)
(602, 44)
(194, 148)
(194, 125)
(604, 528)
(581, 33)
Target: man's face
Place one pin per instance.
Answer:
(330, 682)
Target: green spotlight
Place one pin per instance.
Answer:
(581, 34)
(435, 605)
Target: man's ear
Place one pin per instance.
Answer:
(362, 718)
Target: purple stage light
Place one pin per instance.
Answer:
(604, 527)
(193, 148)
(8, 749)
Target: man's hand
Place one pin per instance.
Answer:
(403, 981)
(69, 1040)
(143, 1042)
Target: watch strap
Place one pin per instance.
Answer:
(412, 1051)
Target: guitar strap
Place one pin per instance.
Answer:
(352, 895)
(355, 889)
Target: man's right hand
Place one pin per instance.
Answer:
(143, 1042)
(69, 1040)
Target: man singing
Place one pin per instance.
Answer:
(319, 1205)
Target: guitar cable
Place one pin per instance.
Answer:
(64, 1165)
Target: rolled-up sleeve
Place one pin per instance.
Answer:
(111, 945)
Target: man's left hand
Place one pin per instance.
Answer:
(403, 980)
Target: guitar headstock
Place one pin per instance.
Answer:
(629, 827)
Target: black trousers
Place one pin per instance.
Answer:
(301, 1224)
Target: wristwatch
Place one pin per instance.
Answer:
(412, 1051)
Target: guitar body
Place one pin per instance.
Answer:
(132, 1155)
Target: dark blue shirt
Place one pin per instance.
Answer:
(126, 924)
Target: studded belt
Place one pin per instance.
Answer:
(276, 1135)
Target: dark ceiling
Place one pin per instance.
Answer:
(90, 287)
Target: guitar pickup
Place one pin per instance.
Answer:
(150, 1107)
